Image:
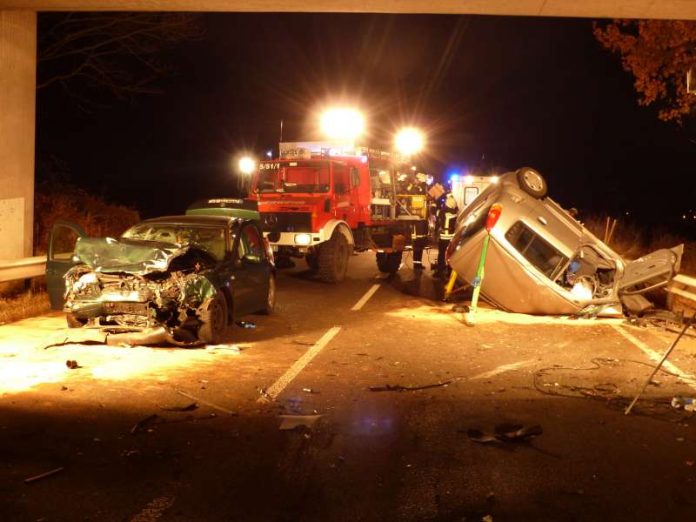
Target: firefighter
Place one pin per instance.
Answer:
(446, 221)
(419, 186)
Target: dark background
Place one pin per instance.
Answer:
(494, 93)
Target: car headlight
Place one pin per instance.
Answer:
(303, 239)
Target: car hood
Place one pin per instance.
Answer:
(132, 256)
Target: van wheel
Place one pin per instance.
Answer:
(214, 319)
(532, 182)
(74, 322)
(333, 258)
(389, 263)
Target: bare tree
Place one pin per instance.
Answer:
(658, 53)
(116, 53)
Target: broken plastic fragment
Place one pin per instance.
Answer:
(291, 422)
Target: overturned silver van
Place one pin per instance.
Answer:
(543, 261)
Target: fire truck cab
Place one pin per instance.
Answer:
(324, 200)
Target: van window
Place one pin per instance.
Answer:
(536, 250)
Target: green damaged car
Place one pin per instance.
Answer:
(178, 280)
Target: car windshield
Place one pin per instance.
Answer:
(209, 238)
(295, 176)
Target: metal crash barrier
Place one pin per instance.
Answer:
(24, 268)
(682, 292)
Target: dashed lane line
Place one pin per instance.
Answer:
(277, 387)
(687, 378)
(501, 369)
(364, 299)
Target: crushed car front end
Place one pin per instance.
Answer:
(136, 286)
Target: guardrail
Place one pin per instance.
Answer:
(683, 287)
(25, 268)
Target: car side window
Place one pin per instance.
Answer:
(251, 244)
(535, 249)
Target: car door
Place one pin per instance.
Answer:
(61, 249)
(651, 271)
(252, 271)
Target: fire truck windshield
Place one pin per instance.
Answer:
(294, 177)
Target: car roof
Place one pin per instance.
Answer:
(207, 220)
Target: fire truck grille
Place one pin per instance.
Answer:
(286, 221)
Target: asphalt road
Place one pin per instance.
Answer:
(358, 454)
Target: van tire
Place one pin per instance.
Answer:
(333, 257)
(532, 182)
(389, 263)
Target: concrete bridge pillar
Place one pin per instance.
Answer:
(17, 132)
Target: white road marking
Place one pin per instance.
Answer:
(364, 299)
(501, 369)
(285, 379)
(656, 357)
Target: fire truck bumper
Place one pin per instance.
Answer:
(301, 241)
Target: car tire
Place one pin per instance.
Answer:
(333, 258)
(312, 262)
(269, 307)
(213, 320)
(532, 182)
(389, 263)
(73, 321)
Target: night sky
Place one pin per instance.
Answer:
(494, 94)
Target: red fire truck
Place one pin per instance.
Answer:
(323, 200)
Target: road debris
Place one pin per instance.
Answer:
(207, 403)
(505, 433)
(302, 343)
(247, 324)
(144, 423)
(227, 348)
(188, 407)
(291, 422)
(73, 365)
(43, 475)
(400, 388)
(684, 403)
(68, 342)
(309, 390)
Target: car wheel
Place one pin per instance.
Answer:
(73, 321)
(532, 182)
(333, 258)
(213, 319)
(269, 307)
(389, 263)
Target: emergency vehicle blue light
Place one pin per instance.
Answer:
(453, 176)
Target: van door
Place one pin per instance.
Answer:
(652, 271)
(61, 248)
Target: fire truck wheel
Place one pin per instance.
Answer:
(389, 263)
(312, 261)
(333, 258)
(214, 319)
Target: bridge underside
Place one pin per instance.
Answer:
(18, 66)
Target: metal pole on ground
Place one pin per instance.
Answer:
(664, 358)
